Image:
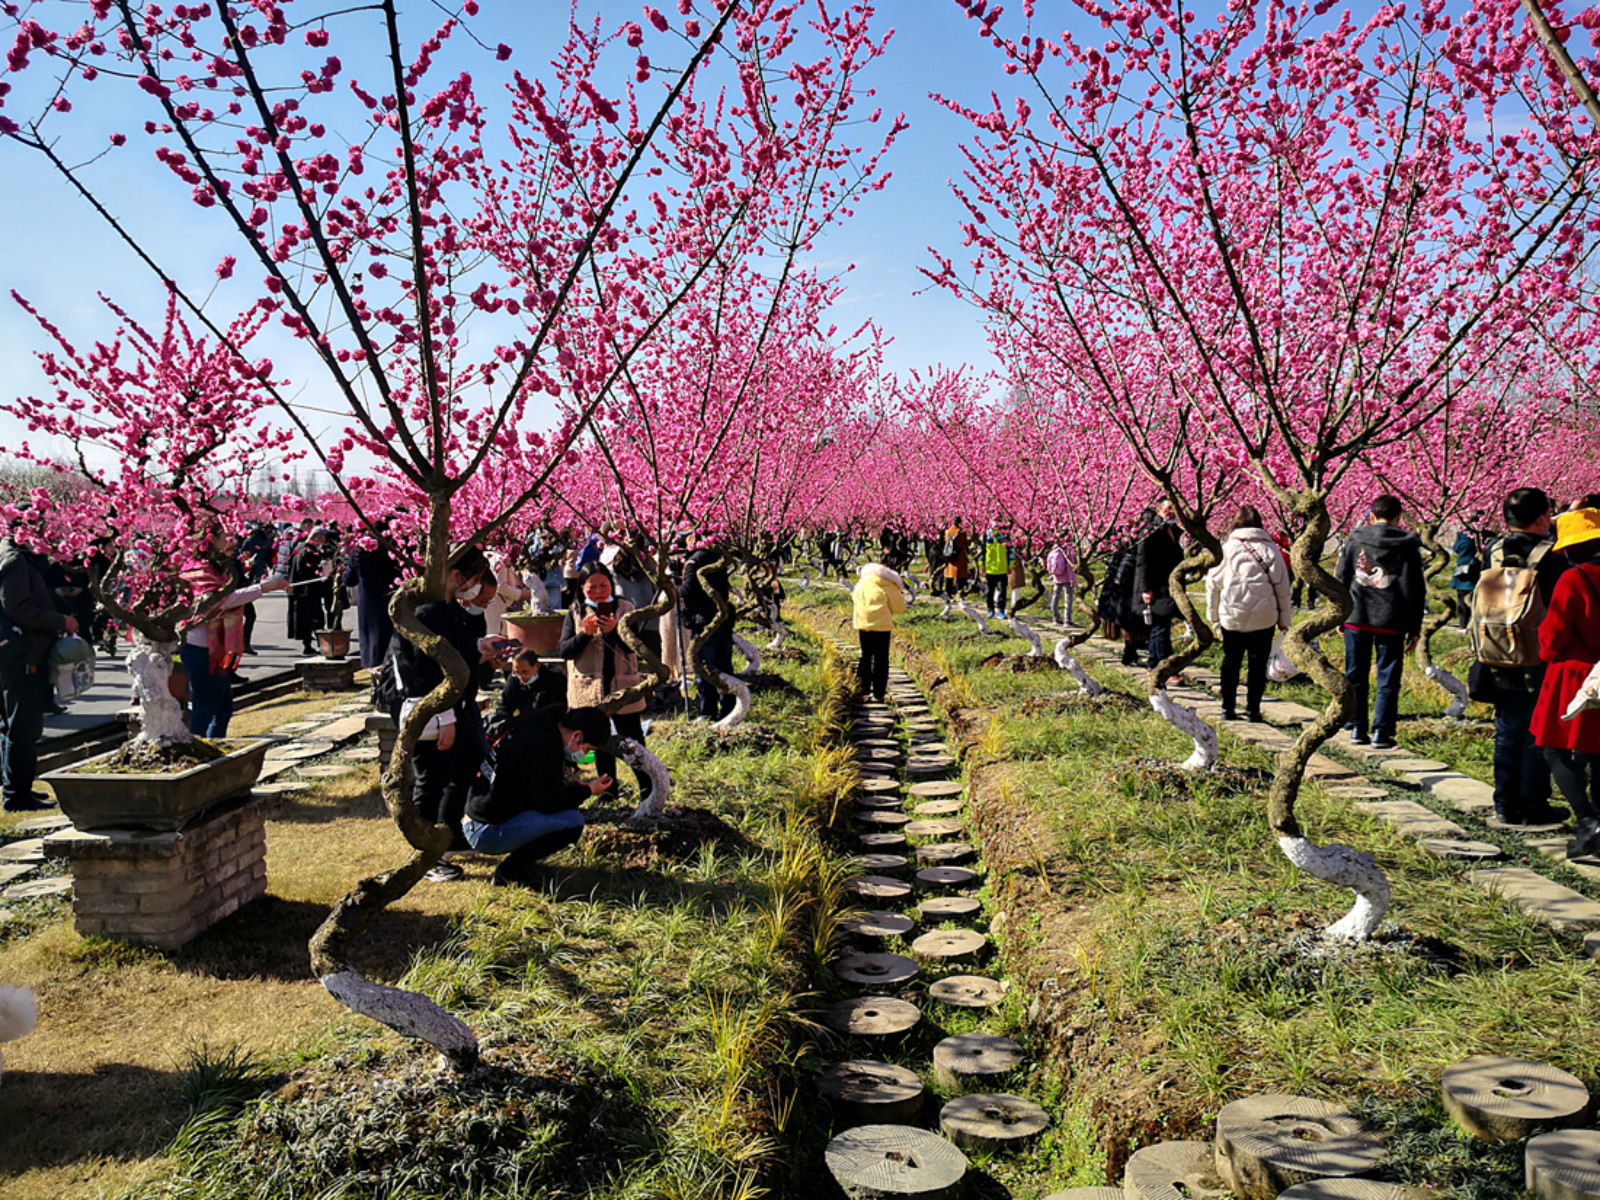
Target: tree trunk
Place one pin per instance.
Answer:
(632, 752)
(1068, 662)
(150, 667)
(752, 656)
(1020, 627)
(727, 684)
(1439, 559)
(1185, 720)
(983, 625)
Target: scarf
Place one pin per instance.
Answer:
(224, 627)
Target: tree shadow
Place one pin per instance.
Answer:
(135, 1111)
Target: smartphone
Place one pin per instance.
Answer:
(606, 608)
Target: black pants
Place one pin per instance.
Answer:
(23, 695)
(628, 725)
(442, 778)
(994, 592)
(1235, 646)
(1578, 776)
(873, 670)
(249, 623)
(718, 654)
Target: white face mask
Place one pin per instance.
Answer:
(469, 593)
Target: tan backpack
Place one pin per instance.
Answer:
(1507, 610)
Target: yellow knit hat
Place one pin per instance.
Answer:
(1574, 527)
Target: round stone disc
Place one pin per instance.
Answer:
(39, 889)
(881, 820)
(1502, 1099)
(1352, 791)
(873, 842)
(1352, 1189)
(878, 743)
(951, 945)
(1460, 848)
(1410, 765)
(992, 1121)
(971, 1061)
(1088, 1193)
(877, 770)
(879, 864)
(43, 824)
(328, 772)
(875, 787)
(363, 754)
(931, 809)
(887, 1161)
(937, 789)
(1564, 1165)
(1169, 1170)
(934, 829)
(1265, 1144)
(968, 991)
(945, 854)
(877, 923)
(930, 766)
(882, 756)
(881, 802)
(875, 970)
(949, 908)
(1529, 830)
(867, 1092)
(878, 887)
(947, 877)
(872, 1016)
(929, 748)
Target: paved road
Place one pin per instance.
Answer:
(112, 690)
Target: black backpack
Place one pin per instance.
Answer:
(387, 694)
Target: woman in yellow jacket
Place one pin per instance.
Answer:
(878, 598)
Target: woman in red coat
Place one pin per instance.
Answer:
(1569, 640)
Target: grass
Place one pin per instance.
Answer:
(1173, 952)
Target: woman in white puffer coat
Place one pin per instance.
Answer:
(1247, 598)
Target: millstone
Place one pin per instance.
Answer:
(972, 1061)
(872, 729)
(43, 824)
(875, 970)
(992, 1121)
(363, 754)
(934, 829)
(277, 787)
(947, 877)
(1352, 1189)
(1564, 1165)
(885, 801)
(300, 750)
(1358, 792)
(949, 908)
(1172, 1171)
(938, 808)
(937, 765)
(328, 772)
(878, 786)
(872, 1016)
(1525, 830)
(38, 889)
(937, 789)
(882, 756)
(878, 887)
(1502, 1099)
(929, 748)
(878, 743)
(1268, 1143)
(863, 1092)
(968, 991)
(886, 1162)
(1460, 848)
(881, 841)
(877, 923)
(879, 864)
(881, 820)
(945, 854)
(951, 945)
(297, 727)
(1088, 1193)
(1410, 765)
(877, 770)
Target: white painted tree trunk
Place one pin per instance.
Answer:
(1187, 722)
(160, 716)
(752, 656)
(638, 756)
(1025, 631)
(741, 701)
(1068, 662)
(780, 637)
(944, 613)
(539, 600)
(1457, 689)
(983, 626)
(805, 580)
(1354, 869)
(409, 1013)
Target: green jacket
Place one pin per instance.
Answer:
(996, 557)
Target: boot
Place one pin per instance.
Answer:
(1587, 842)
(1508, 813)
(521, 866)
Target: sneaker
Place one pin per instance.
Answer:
(1383, 743)
(33, 802)
(444, 872)
(1357, 738)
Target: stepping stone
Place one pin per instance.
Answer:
(298, 727)
(872, 1016)
(295, 751)
(883, 802)
(275, 789)
(879, 864)
(39, 889)
(1463, 794)
(875, 970)
(29, 850)
(937, 789)
(879, 756)
(879, 820)
(938, 808)
(934, 829)
(10, 872)
(327, 772)
(950, 878)
(1324, 768)
(968, 991)
(1353, 1189)
(1558, 907)
(1172, 1171)
(43, 824)
(1564, 1165)
(877, 770)
(1503, 1099)
(877, 923)
(879, 787)
(1414, 765)
(1349, 791)
(1411, 818)
(1462, 848)
(945, 854)
(883, 1162)
(928, 749)
(876, 842)
(992, 1122)
(1500, 826)
(878, 887)
(363, 754)
(1265, 1144)
(933, 764)
(949, 908)
(863, 1092)
(878, 744)
(1088, 1193)
(951, 945)
(970, 1062)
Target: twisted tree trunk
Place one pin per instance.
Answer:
(1185, 720)
(728, 685)
(635, 753)
(1438, 560)
(1020, 627)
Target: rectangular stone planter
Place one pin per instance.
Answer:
(160, 802)
(327, 674)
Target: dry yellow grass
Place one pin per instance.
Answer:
(95, 1090)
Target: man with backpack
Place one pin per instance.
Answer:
(954, 554)
(1516, 576)
(1381, 564)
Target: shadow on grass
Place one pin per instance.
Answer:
(136, 1110)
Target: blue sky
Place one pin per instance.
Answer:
(58, 253)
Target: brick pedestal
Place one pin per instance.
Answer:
(165, 889)
(318, 674)
(388, 733)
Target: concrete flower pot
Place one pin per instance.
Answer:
(334, 643)
(538, 632)
(160, 802)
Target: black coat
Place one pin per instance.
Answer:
(528, 772)
(1398, 598)
(699, 606)
(545, 691)
(419, 674)
(372, 573)
(309, 602)
(28, 602)
(1160, 551)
